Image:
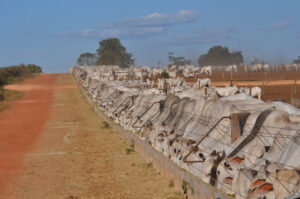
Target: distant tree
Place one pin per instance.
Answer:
(178, 61)
(87, 59)
(257, 61)
(164, 75)
(220, 56)
(32, 68)
(237, 58)
(112, 52)
(296, 61)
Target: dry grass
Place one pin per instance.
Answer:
(9, 95)
(77, 158)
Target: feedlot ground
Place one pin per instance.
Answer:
(282, 90)
(73, 157)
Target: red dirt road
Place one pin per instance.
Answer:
(21, 124)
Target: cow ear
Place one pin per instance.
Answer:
(223, 154)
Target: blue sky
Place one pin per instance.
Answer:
(52, 33)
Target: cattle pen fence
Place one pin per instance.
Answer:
(192, 186)
(197, 188)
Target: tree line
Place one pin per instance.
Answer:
(112, 52)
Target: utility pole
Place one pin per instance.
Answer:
(231, 77)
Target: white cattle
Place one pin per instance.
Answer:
(155, 72)
(230, 68)
(259, 67)
(206, 70)
(260, 159)
(201, 83)
(172, 74)
(226, 91)
(253, 92)
(175, 81)
(162, 84)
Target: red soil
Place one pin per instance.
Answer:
(21, 124)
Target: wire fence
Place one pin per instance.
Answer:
(193, 125)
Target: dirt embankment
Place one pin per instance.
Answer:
(75, 157)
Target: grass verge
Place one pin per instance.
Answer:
(8, 95)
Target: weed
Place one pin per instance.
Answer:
(176, 195)
(186, 187)
(130, 149)
(171, 183)
(149, 165)
(105, 125)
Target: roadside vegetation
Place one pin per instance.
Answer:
(7, 96)
(12, 74)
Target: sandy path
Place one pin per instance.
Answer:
(75, 158)
(21, 124)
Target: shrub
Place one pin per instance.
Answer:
(105, 125)
(2, 95)
(11, 73)
(164, 75)
(149, 165)
(130, 149)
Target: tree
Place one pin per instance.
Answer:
(164, 75)
(87, 59)
(112, 52)
(257, 61)
(178, 61)
(220, 56)
(296, 61)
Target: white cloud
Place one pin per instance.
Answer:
(277, 26)
(140, 27)
(126, 33)
(137, 32)
(216, 31)
(202, 36)
(158, 19)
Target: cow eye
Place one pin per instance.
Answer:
(267, 148)
(227, 165)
